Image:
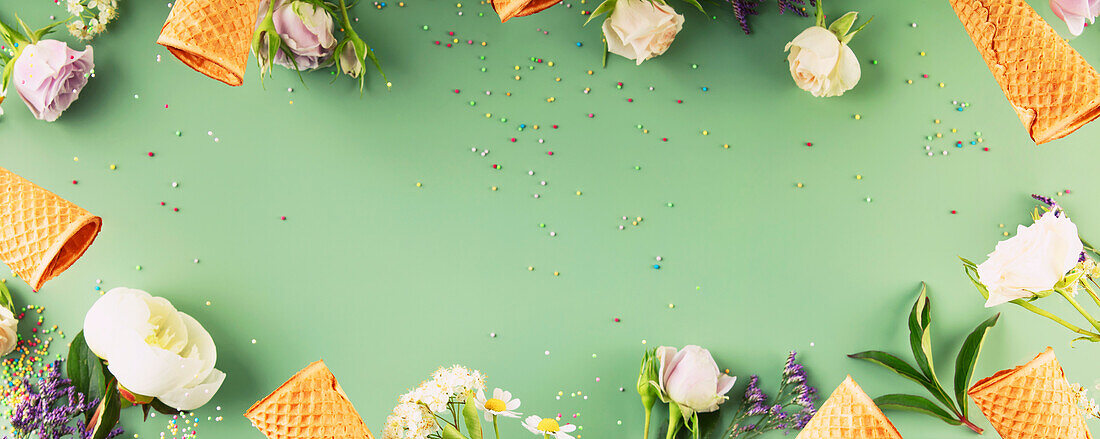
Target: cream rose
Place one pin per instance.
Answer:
(690, 379)
(821, 64)
(1032, 261)
(152, 349)
(641, 29)
(9, 336)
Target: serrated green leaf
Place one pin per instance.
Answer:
(450, 432)
(86, 371)
(606, 7)
(842, 25)
(968, 358)
(916, 404)
(471, 418)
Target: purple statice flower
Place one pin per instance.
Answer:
(1050, 203)
(753, 394)
(55, 410)
(742, 9)
(791, 409)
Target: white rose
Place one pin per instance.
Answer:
(152, 349)
(8, 326)
(641, 29)
(821, 64)
(1032, 261)
(691, 379)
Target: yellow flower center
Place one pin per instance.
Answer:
(549, 426)
(495, 405)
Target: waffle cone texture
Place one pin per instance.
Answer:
(1052, 88)
(1032, 401)
(849, 414)
(212, 36)
(310, 405)
(41, 234)
(507, 9)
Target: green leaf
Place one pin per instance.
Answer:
(471, 418)
(163, 408)
(902, 368)
(86, 371)
(106, 414)
(852, 34)
(604, 8)
(5, 298)
(916, 404)
(450, 432)
(968, 358)
(696, 4)
(920, 340)
(842, 25)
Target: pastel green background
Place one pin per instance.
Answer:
(387, 281)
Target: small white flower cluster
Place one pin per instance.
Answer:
(90, 17)
(414, 416)
(1087, 405)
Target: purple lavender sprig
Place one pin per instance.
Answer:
(791, 409)
(55, 410)
(742, 9)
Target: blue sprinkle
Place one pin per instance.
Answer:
(97, 288)
(656, 267)
(973, 142)
(704, 89)
(959, 109)
(523, 125)
(579, 44)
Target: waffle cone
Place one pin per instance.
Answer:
(1051, 87)
(849, 414)
(212, 36)
(1032, 401)
(41, 234)
(310, 405)
(507, 9)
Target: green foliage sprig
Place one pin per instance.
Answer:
(920, 340)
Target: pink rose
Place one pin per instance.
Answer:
(48, 75)
(1075, 12)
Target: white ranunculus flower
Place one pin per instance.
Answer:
(1032, 261)
(8, 330)
(152, 349)
(821, 64)
(641, 29)
(691, 379)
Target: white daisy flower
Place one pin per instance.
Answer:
(548, 427)
(106, 14)
(95, 26)
(501, 404)
(74, 7)
(99, 4)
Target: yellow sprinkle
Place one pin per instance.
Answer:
(980, 140)
(459, 5)
(635, 223)
(670, 306)
(937, 121)
(858, 117)
(939, 134)
(551, 64)
(488, 114)
(113, 167)
(941, 85)
(645, 131)
(578, 192)
(556, 273)
(726, 145)
(454, 40)
(922, 54)
(799, 184)
(954, 130)
(517, 77)
(908, 81)
(536, 127)
(494, 188)
(76, 159)
(483, 43)
(589, 72)
(1005, 233)
(859, 177)
(705, 132)
(418, 184)
(638, 219)
(517, 67)
(291, 102)
(530, 268)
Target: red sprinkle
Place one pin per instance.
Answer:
(513, 139)
(282, 218)
(437, 43)
(549, 152)
(150, 154)
(954, 212)
(74, 181)
(630, 99)
(555, 127)
(985, 149)
(616, 320)
(162, 203)
(678, 101)
(809, 144)
(456, 90)
(664, 139)
(175, 209)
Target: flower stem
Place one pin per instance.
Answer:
(496, 428)
(675, 416)
(1092, 292)
(1047, 314)
(647, 413)
(971, 425)
(1081, 310)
